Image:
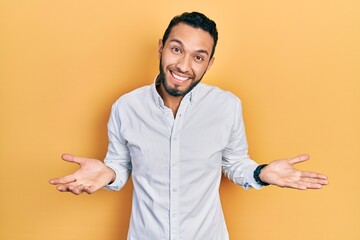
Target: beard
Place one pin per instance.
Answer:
(175, 91)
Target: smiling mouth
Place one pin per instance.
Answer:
(178, 77)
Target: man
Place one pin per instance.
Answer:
(175, 137)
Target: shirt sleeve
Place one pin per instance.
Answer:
(236, 163)
(118, 156)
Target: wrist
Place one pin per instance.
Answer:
(113, 175)
(257, 175)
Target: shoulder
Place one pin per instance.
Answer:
(216, 94)
(139, 95)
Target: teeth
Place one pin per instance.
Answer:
(179, 77)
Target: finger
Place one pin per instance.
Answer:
(82, 186)
(72, 158)
(62, 188)
(90, 189)
(77, 190)
(310, 185)
(298, 159)
(313, 175)
(314, 180)
(68, 187)
(297, 185)
(63, 180)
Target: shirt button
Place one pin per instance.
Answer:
(173, 215)
(174, 190)
(175, 138)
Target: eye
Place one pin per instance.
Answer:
(176, 50)
(199, 58)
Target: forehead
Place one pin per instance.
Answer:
(191, 37)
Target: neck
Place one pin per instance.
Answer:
(170, 101)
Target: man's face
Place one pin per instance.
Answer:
(184, 59)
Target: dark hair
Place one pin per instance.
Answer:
(196, 20)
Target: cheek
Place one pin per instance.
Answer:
(199, 70)
(168, 58)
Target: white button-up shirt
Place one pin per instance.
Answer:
(176, 163)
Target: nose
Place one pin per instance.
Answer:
(183, 64)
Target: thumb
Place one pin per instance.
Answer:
(299, 159)
(72, 158)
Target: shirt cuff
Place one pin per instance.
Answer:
(249, 181)
(115, 185)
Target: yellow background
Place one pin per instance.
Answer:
(294, 64)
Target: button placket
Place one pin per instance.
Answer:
(174, 184)
(175, 172)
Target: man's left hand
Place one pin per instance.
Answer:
(282, 173)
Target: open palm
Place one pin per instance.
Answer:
(282, 173)
(92, 175)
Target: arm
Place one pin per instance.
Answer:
(118, 155)
(236, 163)
(239, 168)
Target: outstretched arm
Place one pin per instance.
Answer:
(282, 173)
(92, 175)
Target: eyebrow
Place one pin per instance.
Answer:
(199, 51)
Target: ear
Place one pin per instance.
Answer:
(160, 47)
(210, 63)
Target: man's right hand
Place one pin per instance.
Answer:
(92, 175)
